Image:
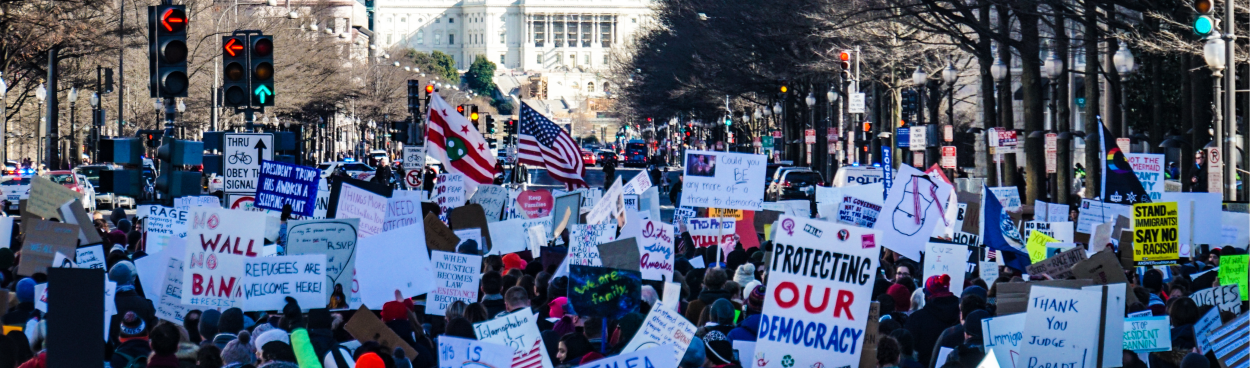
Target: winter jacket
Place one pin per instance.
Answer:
(304, 352)
(747, 330)
(322, 340)
(951, 337)
(706, 298)
(39, 361)
(18, 316)
(494, 306)
(135, 349)
(926, 324)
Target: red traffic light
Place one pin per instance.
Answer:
(262, 47)
(429, 88)
(1203, 6)
(233, 47)
(460, 109)
(174, 20)
(845, 55)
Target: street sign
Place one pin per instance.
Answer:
(904, 137)
(948, 157)
(1007, 138)
(413, 179)
(917, 158)
(242, 153)
(1052, 152)
(832, 135)
(767, 141)
(1124, 144)
(991, 136)
(919, 137)
(414, 157)
(948, 133)
(1215, 171)
(856, 104)
(809, 136)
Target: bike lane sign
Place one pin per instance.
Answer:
(241, 156)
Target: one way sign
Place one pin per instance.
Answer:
(242, 154)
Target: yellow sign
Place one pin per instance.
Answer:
(1155, 233)
(1037, 246)
(714, 212)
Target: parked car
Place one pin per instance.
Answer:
(605, 155)
(10, 167)
(16, 188)
(104, 199)
(795, 183)
(77, 183)
(588, 158)
(356, 170)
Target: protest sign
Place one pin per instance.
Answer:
(655, 244)
(1058, 267)
(649, 204)
(723, 180)
(513, 234)
(663, 326)
(471, 216)
(1063, 231)
(858, 212)
(1036, 246)
(449, 192)
(391, 261)
(73, 213)
(519, 332)
(402, 209)
(169, 303)
(583, 242)
(1223, 297)
(565, 213)
(365, 326)
(470, 240)
(6, 232)
(1195, 211)
(988, 271)
(916, 204)
(456, 277)
(631, 203)
(1203, 327)
(1002, 336)
(492, 199)
(43, 240)
(352, 198)
(267, 281)
(683, 214)
(1049, 212)
(532, 203)
(187, 202)
(455, 352)
(91, 256)
(602, 291)
(1111, 332)
(47, 196)
(1053, 315)
(1009, 197)
(656, 357)
(707, 232)
(536, 238)
(1233, 272)
(438, 236)
(1149, 170)
(1155, 236)
(946, 259)
(842, 310)
(62, 261)
(1093, 213)
(620, 254)
(1229, 342)
(1147, 334)
(282, 184)
(612, 204)
(161, 224)
(214, 274)
(336, 239)
(640, 183)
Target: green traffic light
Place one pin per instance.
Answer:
(1203, 25)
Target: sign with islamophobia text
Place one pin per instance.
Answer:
(519, 332)
(1155, 233)
(602, 291)
(282, 184)
(456, 277)
(816, 312)
(723, 180)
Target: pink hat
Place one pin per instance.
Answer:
(557, 307)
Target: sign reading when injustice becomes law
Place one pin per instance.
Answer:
(1155, 233)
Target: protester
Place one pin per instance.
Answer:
(941, 310)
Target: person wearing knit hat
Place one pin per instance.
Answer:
(25, 303)
(127, 298)
(557, 307)
(292, 318)
(370, 360)
(745, 276)
(755, 300)
(720, 351)
(512, 261)
(940, 311)
(974, 290)
(750, 326)
(277, 354)
(695, 356)
(937, 286)
(208, 325)
(239, 352)
(972, 325)
(901, 296)
(134, 341)
(1195, 360)
(274, 334)
(230, 323)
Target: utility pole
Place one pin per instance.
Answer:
(1227, 141)
(50, 150)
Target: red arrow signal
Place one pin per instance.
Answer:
(233, 46)
(169, 17)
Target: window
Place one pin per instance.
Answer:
(586, 60)
(605, 60)
(605, 87)
(560, 58)
(403, 20)
(438, 39)
(451, 38)
(502, 59)
(420, 37)
(388, 39)
(558, 30)
(501, 38)
(590, 87)
(573, 59)
(605, 36)
(451, 20)
(540, 59)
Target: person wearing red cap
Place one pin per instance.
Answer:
(941, 310)
(370, 360)
(512, 261)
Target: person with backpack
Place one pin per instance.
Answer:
(133, 351)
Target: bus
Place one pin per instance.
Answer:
(637, 153)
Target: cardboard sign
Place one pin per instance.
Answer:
(44, 239)
(1233, 272)
(334, 238)
(656, 357)
(402, 209)
(1155, 234)
(455, 352)
(169, 305)
(73, 213)
(267, 281)
(438, 236)
(1054, 315)
(1147, 334)
(1223, 297)
(858, 212)
(915, 205)
(282, 184)
(1058, 267)
(846, 307)
(663, 327)
(1002, 337)
(449, 192)
(471, 216)
(47, 196)
(620, 254)
(492, 199)
(723, 180)
(91, 256)
(655, 246)
(602, 291)
(456, 277)
(390, 261)
(946, 259)
(519, 332)
(365, 326)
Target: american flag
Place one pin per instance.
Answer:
(541, 143)
(529, 359)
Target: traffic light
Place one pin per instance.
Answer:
(151, 137)
(261, 59)
(473, 115)
(1205, 23)
(236, 82)
(845, 62)
(173, 155)
(167, 50)
(490, 124)
(108, 81)
(728, 121)
(414, 96)
(511, 126)
(460, 109)
(429, 88)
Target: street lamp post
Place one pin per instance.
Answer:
(95, 126)
(1000, 71)
(919, 79)
(1054, 70)
(810, 100)
(182, 108)
(1214, 53)
(42, 95)
(73, 127)
(4, 120)
(1124, 64)
(949, 76)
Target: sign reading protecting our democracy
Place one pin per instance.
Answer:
(1147, 334)
(519, 332)
(1055, 323)
(1149, 170)
(723, 180)
(858, 212)
(1155, 233)
(663, 326)
(218, 242)
(267, 281)
(716, 231)
(282, 184)
(456, 277)
(816, 310)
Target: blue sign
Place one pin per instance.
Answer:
(903, 137)
(887, 161)
(282, 184)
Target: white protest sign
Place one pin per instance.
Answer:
(915, 205)
(657, 357)
(334, 238)
(492, 198)
(650, 203)
(1009, 197)
(41, 297)
(267, 281)
(163, 223)
(1002, 336)
(537, 239)
(241, 154)
(716, 231)
(1206, 211)
(672, 296)
(1053, 315)
(218, 241)
(1061, 231)
(449, 192)
(584, 241)
(640, 183)
(1094, 213)
(1149, 170)
(90, 257)
(946, 259)
(1224, 297)
(470, 239)
(456, 277)
(510, 239)
(988, 271)
(663, 326)
(369, 207)
(847, 284)
(612, 204)
(1112, 332)
(858, 212)
(185, 203)
(169, 306)
(403, 208)
(390, 261)
(519, 332)
(1147, 334)
(1203, 328)
(6, 231)
(455, 352)
(655, 246)
(681, 215)
(723, 180)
